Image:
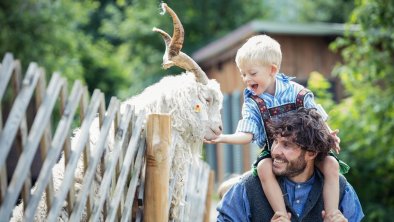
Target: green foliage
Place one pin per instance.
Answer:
(320, 88)
(44, 32)
(304, 11)
(207, 20)
(128, 25)
(365, 118)
(110, 44)
(50, 33)
(325, 11)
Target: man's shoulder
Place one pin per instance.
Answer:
(342, 181)
(248, 176)
(342, 184)
(251, 183)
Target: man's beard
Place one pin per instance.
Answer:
(293, 168)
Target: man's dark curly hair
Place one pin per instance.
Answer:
(306, 128)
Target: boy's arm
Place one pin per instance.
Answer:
(235, 138)
(334, 133)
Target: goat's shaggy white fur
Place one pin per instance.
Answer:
(178, 96)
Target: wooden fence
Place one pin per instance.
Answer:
(36, 125)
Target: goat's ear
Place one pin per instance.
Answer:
(173, 55)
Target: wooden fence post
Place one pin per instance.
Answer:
(157, 168)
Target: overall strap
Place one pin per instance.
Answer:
(267, 113)
(265, 117)
(300, 97)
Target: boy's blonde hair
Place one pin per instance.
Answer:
(260, 49)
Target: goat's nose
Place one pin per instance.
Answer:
(220, 127)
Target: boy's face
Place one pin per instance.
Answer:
(259, 78)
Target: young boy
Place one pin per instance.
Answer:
(268, 94)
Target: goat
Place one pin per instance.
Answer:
(193, 102)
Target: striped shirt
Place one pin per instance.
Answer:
(285, 92)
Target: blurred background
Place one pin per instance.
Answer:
(342, 50)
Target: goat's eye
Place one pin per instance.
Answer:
(208, 101)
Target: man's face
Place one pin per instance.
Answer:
(288, 159)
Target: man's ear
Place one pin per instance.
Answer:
(311, 155)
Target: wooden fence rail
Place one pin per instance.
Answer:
(102, 165)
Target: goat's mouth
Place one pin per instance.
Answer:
(216, 132)
(212, 134)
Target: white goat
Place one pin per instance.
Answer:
(192, 100)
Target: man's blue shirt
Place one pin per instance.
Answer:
(235, 204)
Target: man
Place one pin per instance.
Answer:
(301, 140)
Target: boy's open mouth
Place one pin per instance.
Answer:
(254, 87)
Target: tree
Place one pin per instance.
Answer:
(44, 32)
(110, 44)
(128, 25)
(366, 116)
(325, 11)
(50, 33)
(304, 11)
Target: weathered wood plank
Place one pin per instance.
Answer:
(47, 134)
(124, 173)
(6, 73)
(39, 124)
(207, 211)
(203, 189)
(61, 135)
(97, 153)
(109, 171)
(139, 162)
(58, 201)
(23, 128)
(196, 190)
(17, 113)
(83, 109)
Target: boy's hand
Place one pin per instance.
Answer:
(214, 141)
(281, 216)
(334, 133)
(335, 216)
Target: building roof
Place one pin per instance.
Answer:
(240, 34)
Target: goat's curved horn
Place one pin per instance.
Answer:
(178, 32)
(173, 55)
(165, 35)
